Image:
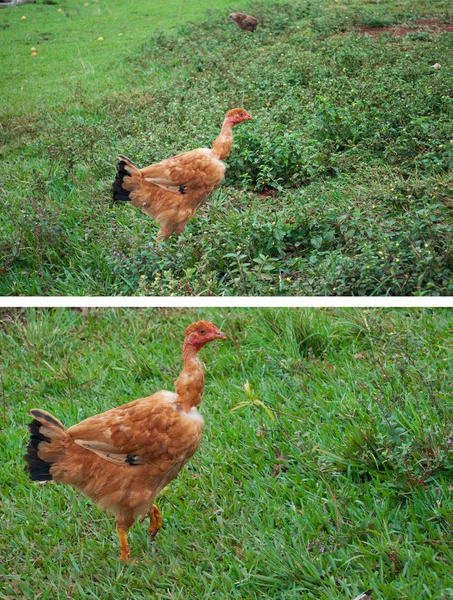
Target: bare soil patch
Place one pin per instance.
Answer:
(428, 25)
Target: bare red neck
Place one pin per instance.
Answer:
(190, 384)
(222, 146)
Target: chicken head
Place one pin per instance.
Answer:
(237, 115)
(200, 333)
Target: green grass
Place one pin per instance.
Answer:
(361, 407)
(71, 64)
(341, 186)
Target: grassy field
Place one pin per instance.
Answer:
(71, 63)
(341, 186)
(341, 484)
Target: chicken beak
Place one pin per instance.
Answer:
(220, 335)
(249, 117)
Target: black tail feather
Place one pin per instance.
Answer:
(33, 427)
(119, 194)
(38, 469)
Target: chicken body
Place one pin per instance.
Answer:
(153, 434)
(122, 458)
(244, 22)
(171, 191)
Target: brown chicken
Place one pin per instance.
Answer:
(122, 458)
(171, 191)
(245, 22)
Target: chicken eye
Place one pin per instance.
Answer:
(202, 331)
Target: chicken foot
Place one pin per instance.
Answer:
(156, 520)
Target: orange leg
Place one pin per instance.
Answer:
(162, 235)
(156, 521)
(125, 554)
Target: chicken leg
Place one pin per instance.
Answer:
(162, 235)
(125, 554)
(123, 524)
